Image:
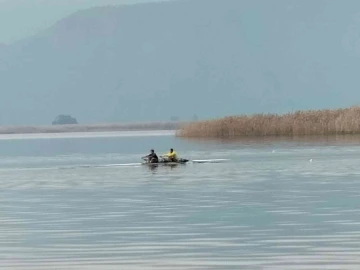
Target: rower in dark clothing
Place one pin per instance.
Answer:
(152, 157)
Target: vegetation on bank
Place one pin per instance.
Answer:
(63, 119)
(90, 128)
(300, 123)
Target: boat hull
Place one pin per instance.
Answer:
(170, 163)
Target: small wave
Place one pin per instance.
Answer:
(120, 165)
(90, 166)
(210, 160)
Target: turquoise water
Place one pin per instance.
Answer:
(77, 203)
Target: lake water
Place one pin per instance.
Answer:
(71, 202)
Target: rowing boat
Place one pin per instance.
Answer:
(167, 162)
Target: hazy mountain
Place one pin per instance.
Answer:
(22, 18)
(206, 57)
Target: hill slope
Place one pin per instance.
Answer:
(205, 57)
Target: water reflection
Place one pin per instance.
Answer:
(155, 167)
(315, 139)
(152, 167)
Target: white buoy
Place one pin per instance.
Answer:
(310, 160)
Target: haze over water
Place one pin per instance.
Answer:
(71, 203)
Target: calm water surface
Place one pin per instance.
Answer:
(71, 203)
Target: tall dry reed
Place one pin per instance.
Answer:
(313, 122)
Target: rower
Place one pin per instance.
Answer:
(172, 155)
(152, 157)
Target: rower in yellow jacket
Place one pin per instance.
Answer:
(171, 155)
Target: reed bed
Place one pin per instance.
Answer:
(299, 123)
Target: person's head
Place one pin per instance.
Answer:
(171, 150)
(152, 150)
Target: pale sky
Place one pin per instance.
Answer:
(22, 18)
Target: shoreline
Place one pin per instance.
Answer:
(94, 128)
(94, 134)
